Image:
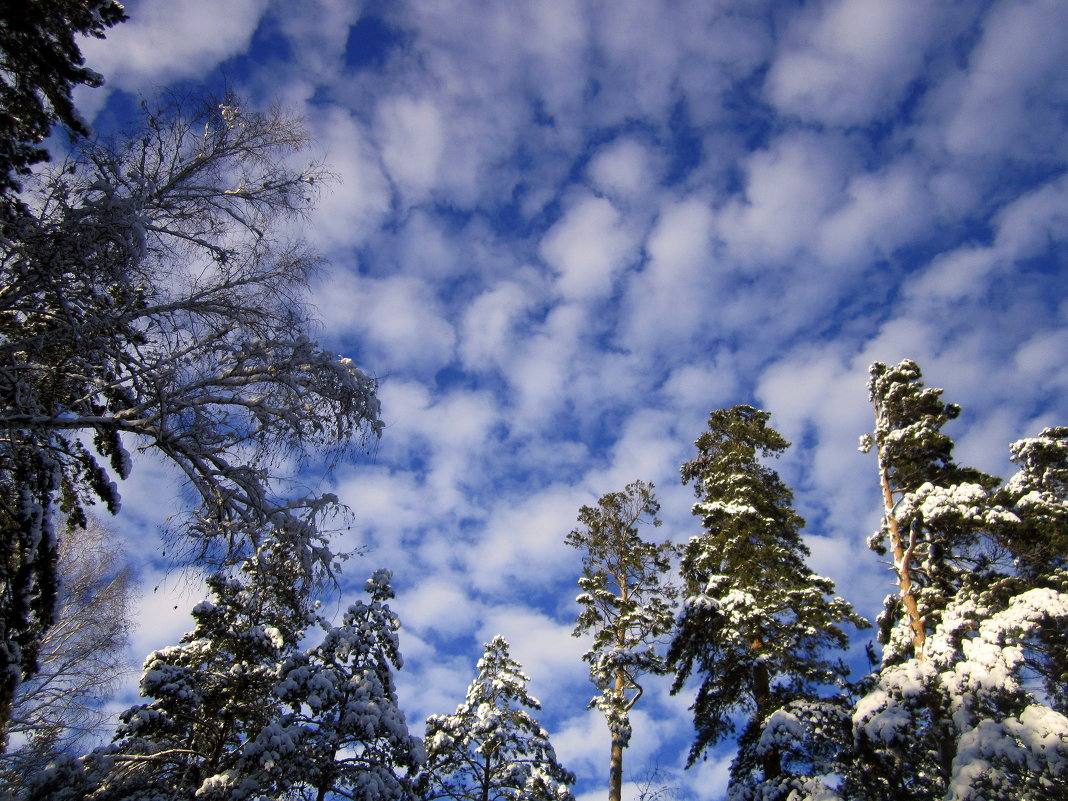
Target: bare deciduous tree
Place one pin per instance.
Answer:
(153, 300)
(82, 656)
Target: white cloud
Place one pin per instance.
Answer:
(317, 32)
(439, 605)
(540, 372)
(625, 169)
(669, 300)
(354, 207)
(1007, 100)
(522, 542)
(582, 743)
(588, 247)
(1025, 228)
(881, 212)
(166, 42)
(399, 320)
(488, 330)
(848, 62)
(1040, 360)
(411, 136)
(791, 186)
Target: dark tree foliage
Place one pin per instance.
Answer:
(757, 627)
(40, 65)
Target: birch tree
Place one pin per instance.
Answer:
(626, 603)
(82, 656)
(153, 300)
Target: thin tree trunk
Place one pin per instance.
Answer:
(615, 765)
(902, 559)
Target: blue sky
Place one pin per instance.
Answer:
(566, 231)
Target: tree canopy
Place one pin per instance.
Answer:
(152, 301)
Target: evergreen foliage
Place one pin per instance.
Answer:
(238, 711)
(756, 626)
(626, 603)
(40, 65)
(933, 509)
(491, 748)
(354, 739)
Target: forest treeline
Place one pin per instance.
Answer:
(153, 299)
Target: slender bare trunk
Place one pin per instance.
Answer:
(902, 562)
(615, 765)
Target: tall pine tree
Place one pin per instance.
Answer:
(915, 462)
(955, 711)
(757, 626)
(626, 603)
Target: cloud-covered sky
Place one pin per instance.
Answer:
(565, 231)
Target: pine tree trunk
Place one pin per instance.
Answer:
(771, 761)
(486, 778)
(615, 765)
(902, 559)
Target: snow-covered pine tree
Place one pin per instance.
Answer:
(491, 748)
(213, 727)
(757, 626)
(915, 459)
(955, 711)
(627, 605)
(238, 712)
(1038, 496)
(354, 740)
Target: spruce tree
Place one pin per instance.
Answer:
(626, 604)
(492, 748)
(237, 711)
(757, 626)
(354, 739)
